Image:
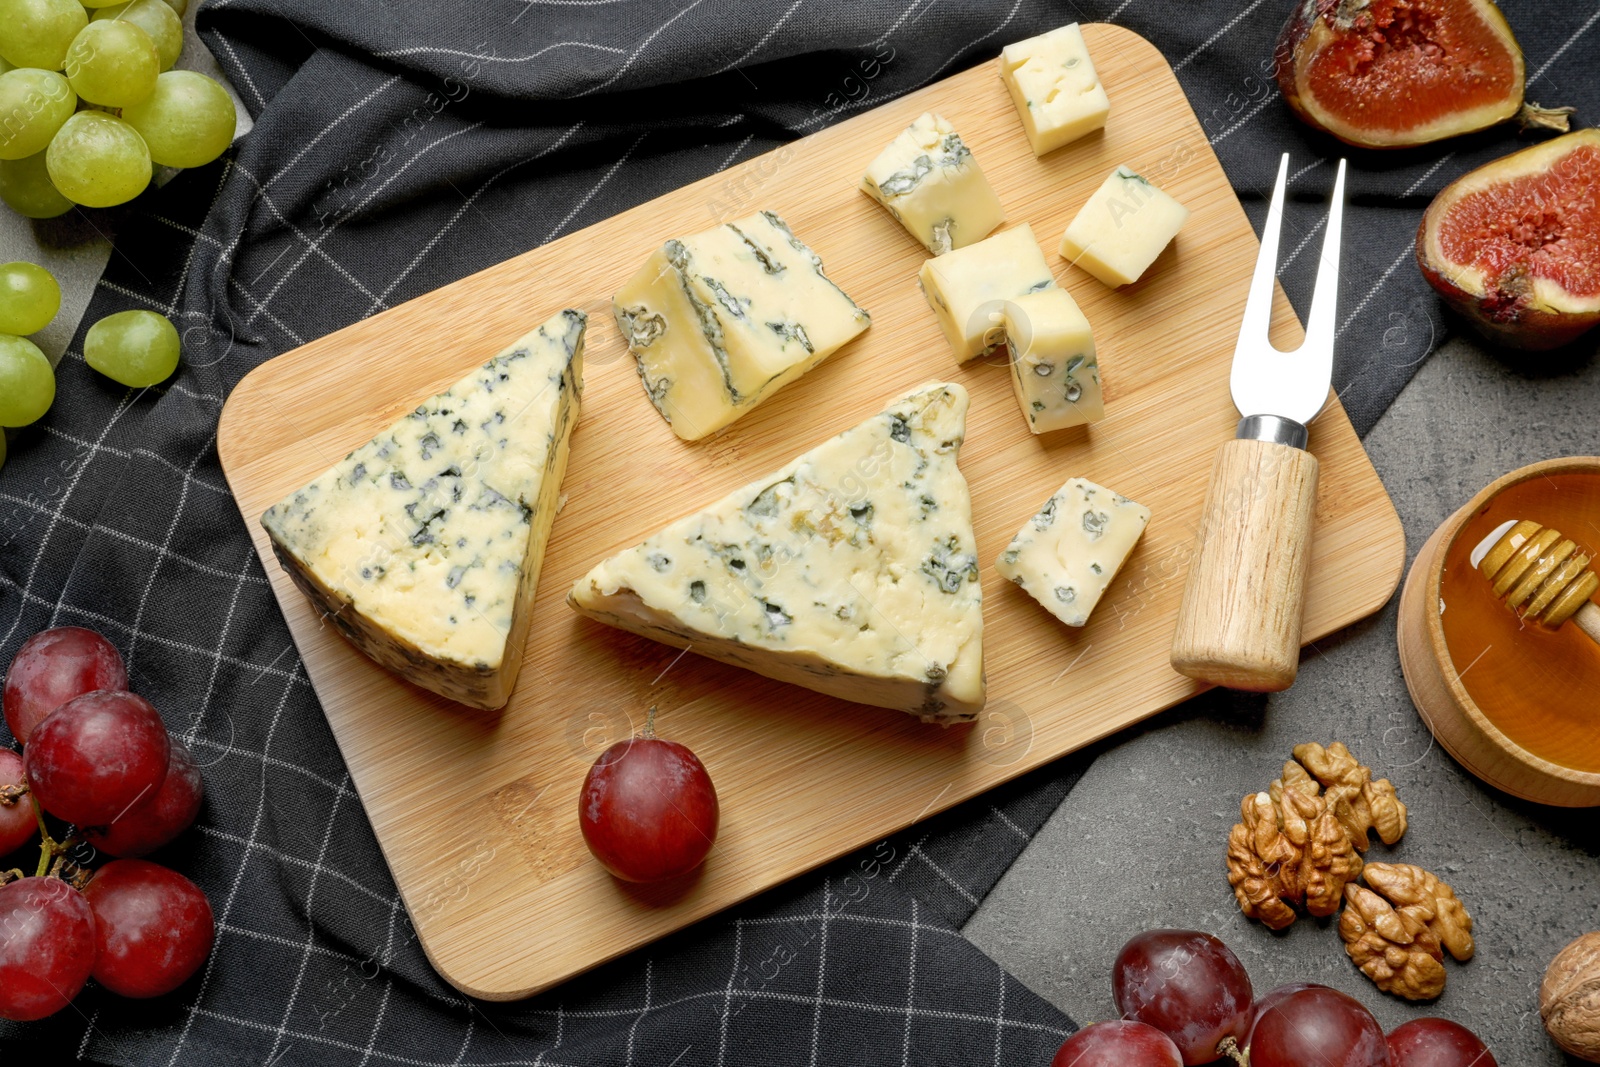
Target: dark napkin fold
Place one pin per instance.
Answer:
(398, 147)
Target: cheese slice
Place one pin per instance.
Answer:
(1054, 372)
(968, 288)
(1123, 228)
(929, 181)
(1054, 85)
(852, 571)
(1068, 553)
(722, 320)
(423, 546)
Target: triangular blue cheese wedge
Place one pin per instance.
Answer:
(423, 546)
(852, 571)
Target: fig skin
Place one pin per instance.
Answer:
(1306, 33)
(1515, 317)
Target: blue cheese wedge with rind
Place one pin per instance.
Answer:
(930, 182)
(424, 545)
(968, 288)
(1053, 82)
(1054, 372)
(1067, 554)
(1123, 228)
(721, 321)
(852, 571)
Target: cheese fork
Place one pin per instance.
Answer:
(1239, 623)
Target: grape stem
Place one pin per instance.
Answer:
(52, 853)
(649, 731)
(1230, 1048)
(10, 794)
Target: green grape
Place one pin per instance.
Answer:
(136, 348)
(4, 66)
(187, 122)
(27, 382)
(112, 62)
(98, 160)
(99, 3)
(29, 298)
(26, 189)
(36, 33)
(155, 18)
(180, 6)
(33, 105)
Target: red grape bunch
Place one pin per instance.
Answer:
(1185, 999)
(99, 757)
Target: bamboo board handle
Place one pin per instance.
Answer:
(1239, 623)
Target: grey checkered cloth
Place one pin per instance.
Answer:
(398, 147)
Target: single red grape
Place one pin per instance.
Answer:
(96, 756)
(154, 927)
(1321, 1026)
(1437, 1043)
(1274, 997)
(151, 823)
(17, 823)
(1188, 985)
(1118, 1044)
(54, 666)
(47, 947)
(648, 809)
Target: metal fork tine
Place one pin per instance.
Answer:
(1320, 328)
(1258, 308)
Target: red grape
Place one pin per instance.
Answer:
(1321, 1026)
(47, 947)
(1118, 1044)
(1272, 998)
(96, 756)
(1186, 984)
(1437, 1043)
(154, 927)
(54, 666)
(17, 823)
(151, 823)
(648, 809)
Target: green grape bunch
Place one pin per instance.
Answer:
(90, 103)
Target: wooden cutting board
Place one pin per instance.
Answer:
(477, 812)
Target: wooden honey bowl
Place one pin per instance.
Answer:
(1516, 703)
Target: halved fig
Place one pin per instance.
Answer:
(1395, 73)
(1515, 245)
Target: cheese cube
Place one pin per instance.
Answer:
(722, 320)
(1053, 367)
(1055, 87)
(1068, 553)
(1123, 228)
(968, 288)
(930, 182)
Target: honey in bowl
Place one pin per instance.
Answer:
(1540, 687)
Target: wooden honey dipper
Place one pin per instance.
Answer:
(1540, 575)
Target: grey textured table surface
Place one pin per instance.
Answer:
(1140, 842)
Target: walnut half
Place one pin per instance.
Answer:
(1397, 932)
(1289, 851)
(1392, 947)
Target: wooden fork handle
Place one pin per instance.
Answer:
(1239, 623)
